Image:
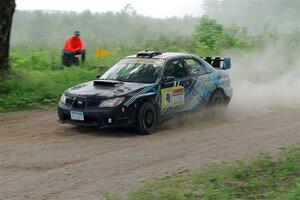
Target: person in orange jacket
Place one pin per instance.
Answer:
(73, 46)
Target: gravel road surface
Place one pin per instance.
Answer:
(42, 159)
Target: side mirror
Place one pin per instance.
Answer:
(168, 79)
(226, 63)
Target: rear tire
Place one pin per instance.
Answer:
(146, 121)
(217, 103)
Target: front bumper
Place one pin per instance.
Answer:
(97, 117)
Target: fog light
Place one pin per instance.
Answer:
(109, 120)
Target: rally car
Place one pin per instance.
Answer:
(143, 89)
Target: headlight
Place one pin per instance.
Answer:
(63, 98)
(112, 102)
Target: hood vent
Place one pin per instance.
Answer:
(108, 83)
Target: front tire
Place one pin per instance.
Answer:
(146, 121)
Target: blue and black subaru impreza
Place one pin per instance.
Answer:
(143, 89)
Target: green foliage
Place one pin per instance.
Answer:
(36, 28)
(164, 44)
(262, 178)
(38, 78)
(34, 88)
(43, 59)
(211, 37)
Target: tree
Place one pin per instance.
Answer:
(258, 16)
(7, 9)
(209, 37)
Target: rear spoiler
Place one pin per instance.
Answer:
(218, 62)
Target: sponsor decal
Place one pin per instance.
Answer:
(143, 91)
(172, 97)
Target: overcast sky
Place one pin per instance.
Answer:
(154, 8)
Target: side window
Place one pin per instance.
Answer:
(177, 69)
(195, 66)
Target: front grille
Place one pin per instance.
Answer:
(69, 101)
(79, 104)
(82, 102)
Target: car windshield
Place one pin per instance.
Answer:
(135, 70)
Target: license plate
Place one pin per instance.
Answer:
(77, 115)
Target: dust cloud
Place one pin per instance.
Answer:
(265, 80)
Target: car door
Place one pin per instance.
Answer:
(176, 81)
(201, 87)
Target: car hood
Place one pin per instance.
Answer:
(105, 88)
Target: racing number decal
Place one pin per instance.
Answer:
(172, 97)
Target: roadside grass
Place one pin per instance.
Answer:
(27, 89)
(37, 78)
(264, 177)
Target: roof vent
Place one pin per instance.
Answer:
(147, 54)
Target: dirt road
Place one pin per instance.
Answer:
(42, 159)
